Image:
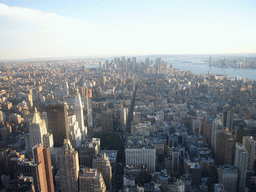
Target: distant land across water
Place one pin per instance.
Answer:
(200, 67)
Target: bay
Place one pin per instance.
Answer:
(199, 66)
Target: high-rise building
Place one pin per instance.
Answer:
(175, 160)
(37, 129)
(195, 170)
(66, 87)
(40, 169)
(241, 163)
(57, 116)
(230, 120)
(1, 116)
(68, 168)
(107, 120)
(117, 112)
(78, 110)
(102, 164)
(216, 125)
(88, 150)
(227, 119)
(123, 118)
(250, 145)
(75, 135)
(89, 109)
(137, 154)
(228, 177)
(196, 126)
(29, 100)
(28, 168)
(48, 141)
(103, 80)
(91, 180)
(137, 117)
(42, 156)
(82, 91)
(224, 151)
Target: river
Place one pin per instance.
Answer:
(199, 67)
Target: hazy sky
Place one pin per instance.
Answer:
(61, 28)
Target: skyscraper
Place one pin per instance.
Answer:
(29, 99)
(102, 164)
(66, 87)
(228, 177)
(250, 145)
(89, 109)
(103, 80)
(37, 129)
(196, 125)
(48, 141)
(241, 163)
(75, 135)
(35, 170)
(175, 160)
(224, 147)
(1, 116)
(78, 110)
(69, 168)
(88, 150)
(227, 119)
(58, 123)
(43, 158)
(216, 125)
(123, 118)
(107, 120)
(40, 169)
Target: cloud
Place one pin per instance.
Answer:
(31, 33)
(25, 14)
(48, 34)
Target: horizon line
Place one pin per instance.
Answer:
(123, 55)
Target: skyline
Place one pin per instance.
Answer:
(32, 30)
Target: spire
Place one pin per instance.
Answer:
(36, 117)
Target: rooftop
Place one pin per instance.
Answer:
(111, 154)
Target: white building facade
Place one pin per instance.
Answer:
(138, 155)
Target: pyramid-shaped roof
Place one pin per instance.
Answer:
(36, 117)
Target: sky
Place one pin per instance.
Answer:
(93, 28)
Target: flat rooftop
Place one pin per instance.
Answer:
(111, 154)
